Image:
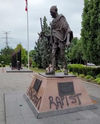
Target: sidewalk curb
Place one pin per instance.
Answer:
(91, 83)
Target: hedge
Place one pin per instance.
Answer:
(81, 69)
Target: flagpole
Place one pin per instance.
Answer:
(27, 34)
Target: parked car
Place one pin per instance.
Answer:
(90, 64)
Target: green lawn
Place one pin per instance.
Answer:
(37, 70)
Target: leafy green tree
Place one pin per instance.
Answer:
(7, 51)
(75, 51)
(85, 31)
(31, 53)
(94, 45)
(31, 58)
(91, 31)
(68, 50)
(6, 55)
(37, 58)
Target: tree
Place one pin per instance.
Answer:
(6, 55)
(7, 51)
(91, 31)
(37, 58)
(94, 45)
(45, 44)
(31, 53)
(85, 31)
(75, 51)
(42, 48)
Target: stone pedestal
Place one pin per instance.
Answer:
(50, 95)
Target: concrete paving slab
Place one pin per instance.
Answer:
(75, 116)
(11, 105)
(92, 89)
(9, 98)
(88, 114)
(2, 118)
(96, 111)
(25, 110)
(95, 120)
(15, 120)
(23, 70)
(1, 107)
(31, 120)
(12, 108)
(26, 115)
(52, 121)
(97, 100)
(2, 122)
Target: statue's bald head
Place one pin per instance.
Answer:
(53, 9)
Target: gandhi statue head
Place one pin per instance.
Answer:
(54, 11)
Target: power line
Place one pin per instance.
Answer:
(6, 37)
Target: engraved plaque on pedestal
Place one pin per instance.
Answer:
(37, 84)
(65, 88)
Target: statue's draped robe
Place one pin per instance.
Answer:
(60, 28)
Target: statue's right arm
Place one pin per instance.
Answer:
(42, 34)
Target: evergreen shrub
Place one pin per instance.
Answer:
(98, 76)
(97, 79)
(81, 69)
(88, 77)
(81, 75)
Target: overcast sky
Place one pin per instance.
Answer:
(13, 19)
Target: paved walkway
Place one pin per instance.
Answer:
(19, 82)
(12, 82)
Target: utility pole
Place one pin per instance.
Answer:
(6, 37)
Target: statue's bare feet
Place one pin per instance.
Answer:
(65, 72)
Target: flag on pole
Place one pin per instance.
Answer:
(26, 9)
(26, 6)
